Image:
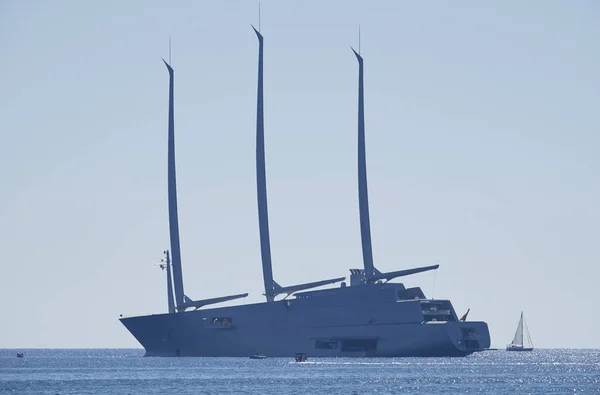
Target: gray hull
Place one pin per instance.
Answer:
(369, 320)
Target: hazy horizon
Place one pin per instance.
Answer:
(482, 156)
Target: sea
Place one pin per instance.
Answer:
(127, 371)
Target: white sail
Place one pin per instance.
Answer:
(518, 339)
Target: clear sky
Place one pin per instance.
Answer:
(482, 127)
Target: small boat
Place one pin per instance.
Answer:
(258, 356)
(20, 355)
(301, 357)
(517, 341)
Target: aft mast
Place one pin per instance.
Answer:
(370, 273)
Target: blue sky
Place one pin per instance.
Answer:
(482, 137)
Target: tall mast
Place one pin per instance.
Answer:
(172, 192)
(169, 283)
(261, 180)
(363, 195)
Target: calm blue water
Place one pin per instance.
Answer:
(121, 371)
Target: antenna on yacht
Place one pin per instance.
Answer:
(165, 264)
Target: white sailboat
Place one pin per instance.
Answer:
(517, 341)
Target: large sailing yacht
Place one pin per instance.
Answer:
(370, 316)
